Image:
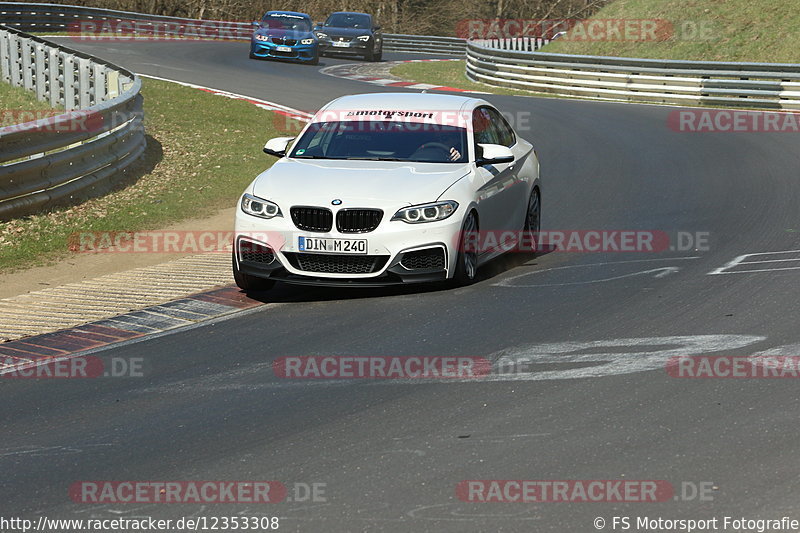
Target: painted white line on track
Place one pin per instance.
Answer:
(738, 261)
(660, 272)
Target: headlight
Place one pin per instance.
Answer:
(307, 41)
(260, 37)
(258, 207)
(321, 35)
(426, 212)
(363, 37)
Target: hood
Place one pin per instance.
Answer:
(389, 184)
(349, 33)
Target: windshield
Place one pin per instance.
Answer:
(286, 22)
(348, 20)
(383, 141)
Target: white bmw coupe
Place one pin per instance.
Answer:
(382, 189)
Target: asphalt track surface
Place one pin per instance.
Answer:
(391, 453)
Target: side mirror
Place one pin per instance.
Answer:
(278, 146)
(256, 23)
(377, 27)
(493, 154)
(317, 26)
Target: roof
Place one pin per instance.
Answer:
(404, 101)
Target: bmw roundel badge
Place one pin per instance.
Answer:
(336, 202)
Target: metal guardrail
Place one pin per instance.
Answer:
(89, 147)
(424, 43)
(753, 85)
(35, 17)
(66, 18)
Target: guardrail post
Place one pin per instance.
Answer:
(41, 74)
(14, 62)
(112, 83)
(99, 76)
(5, 66)
(26, 49)
(69, 82)
(54, 78)
(85, 91)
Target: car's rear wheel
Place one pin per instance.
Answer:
(248, 283)
(467, 258)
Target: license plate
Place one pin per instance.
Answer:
(283, 48)
(340, 44)
(332, 246)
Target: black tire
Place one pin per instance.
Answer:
(467, 259)
(533, 219)
(249, 283)
(378, 56)
(252, 56)
(370, 56)
(314, 61)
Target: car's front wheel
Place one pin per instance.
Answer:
(315, 59)
(248, 283)
(467, 257)
(372, 55)
(533, 218)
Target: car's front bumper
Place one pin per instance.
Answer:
(353, 47)
(298, 52)
(400, 252)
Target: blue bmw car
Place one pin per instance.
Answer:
(285, 35)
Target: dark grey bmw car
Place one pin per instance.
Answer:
(351, 33)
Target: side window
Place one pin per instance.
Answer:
(504, 131)
(482, 127)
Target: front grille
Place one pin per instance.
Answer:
(317, 219)
(282, 40)
(255, 252)
(358, 220)
(429, 258)
(336, 264)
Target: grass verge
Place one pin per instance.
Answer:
(15, 99)
(202, 152)
(703, 30)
